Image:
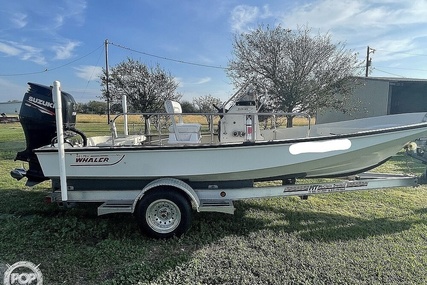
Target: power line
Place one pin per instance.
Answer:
(23, 74)
(51, 69)
(368, 62)
(224, 68)
(168, 59)
(389, 72)
(401, 52)
(61, 66)
(93, 71)
(403, 68)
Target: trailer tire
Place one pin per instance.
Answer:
(164, 213)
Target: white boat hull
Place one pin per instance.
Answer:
(320, 156)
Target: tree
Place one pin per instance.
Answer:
(205, 104)
(92, 107)
(296, 71)
(96, 107)
(188, 107)
(146, 88)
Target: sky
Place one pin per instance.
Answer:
(43, 41)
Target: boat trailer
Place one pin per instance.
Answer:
(163, 207)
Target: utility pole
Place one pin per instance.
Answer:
(107, 79)
(368, 60)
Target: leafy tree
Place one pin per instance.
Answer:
(96, 107)
(295, 70)
(92, 107)
(205, 104)
(188, 107)
(146, 88)
(117, 108)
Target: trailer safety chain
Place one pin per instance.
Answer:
(410, 169)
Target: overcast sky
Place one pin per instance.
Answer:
(43, 41)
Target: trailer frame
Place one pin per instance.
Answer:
(162, 206)
(214, 198)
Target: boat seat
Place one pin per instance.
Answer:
(180, 132)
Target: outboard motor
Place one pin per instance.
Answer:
(37, 117)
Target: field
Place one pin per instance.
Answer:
(97, 124)
(371, 237)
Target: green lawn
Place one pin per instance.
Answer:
(371, 237)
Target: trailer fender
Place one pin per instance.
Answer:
(172, 182)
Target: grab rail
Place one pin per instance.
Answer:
(210, 118)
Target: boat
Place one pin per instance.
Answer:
(161, 177)
(319, 155)
(241, 151)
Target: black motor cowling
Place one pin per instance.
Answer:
(37, 117)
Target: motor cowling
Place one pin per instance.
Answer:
(37, 118)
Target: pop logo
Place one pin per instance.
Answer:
(23, 273)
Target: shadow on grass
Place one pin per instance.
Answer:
(66, 241)
(333, 227)
(308, 225)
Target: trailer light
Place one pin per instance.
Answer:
(47, 200)
(222, 194)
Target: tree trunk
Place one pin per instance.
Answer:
(147, 126)
(289, 121)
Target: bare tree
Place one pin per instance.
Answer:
(206, 104)
(146, 88)
(298, 71)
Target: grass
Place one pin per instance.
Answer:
(370, 237)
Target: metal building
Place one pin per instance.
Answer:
(376, 96)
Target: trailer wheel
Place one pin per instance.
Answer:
(164, 213)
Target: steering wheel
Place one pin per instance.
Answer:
(66, 137)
